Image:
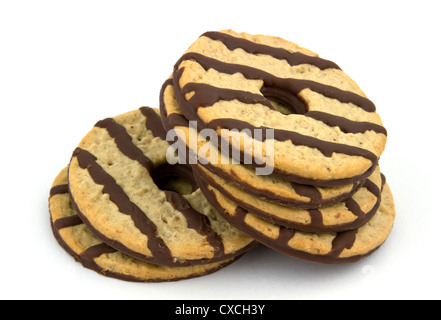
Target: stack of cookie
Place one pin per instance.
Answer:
(257, 140)
(120, 209)
(284, 145)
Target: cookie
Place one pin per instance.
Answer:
(270, 188)
(325, 247)
(326, 131)
(346, 215)
(77, 239)
(112, 185)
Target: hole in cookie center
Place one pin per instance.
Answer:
(284, 101)
(177, 178)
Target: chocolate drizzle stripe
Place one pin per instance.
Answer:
(239, 213)
(342, 241)
(177, 120)
(345, 125)
(325, 147)
(88, 257)
(316, 217)
(124, 142)
(308, 191)
(293, 58)
(117, 195)
(67, 222)
(61, 189)
(285, 234)
(189, 110)
(207, 95)
(373, 188)
(196, 221)
(154, 123)
(163, 108)
(294, 86)
(383, 180)
(97, 250)
(354, 207)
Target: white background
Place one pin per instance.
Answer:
(64, 65)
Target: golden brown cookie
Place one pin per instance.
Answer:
(325, 130)
(77, 239)
(114, 186)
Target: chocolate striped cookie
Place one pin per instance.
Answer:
(342, 216)
(326, 131)
(269, 188)
(325, 247)
(120, 185)
(77, 239)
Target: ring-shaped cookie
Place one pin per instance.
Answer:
(112, 188)
(77, 240)
(332, 134)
